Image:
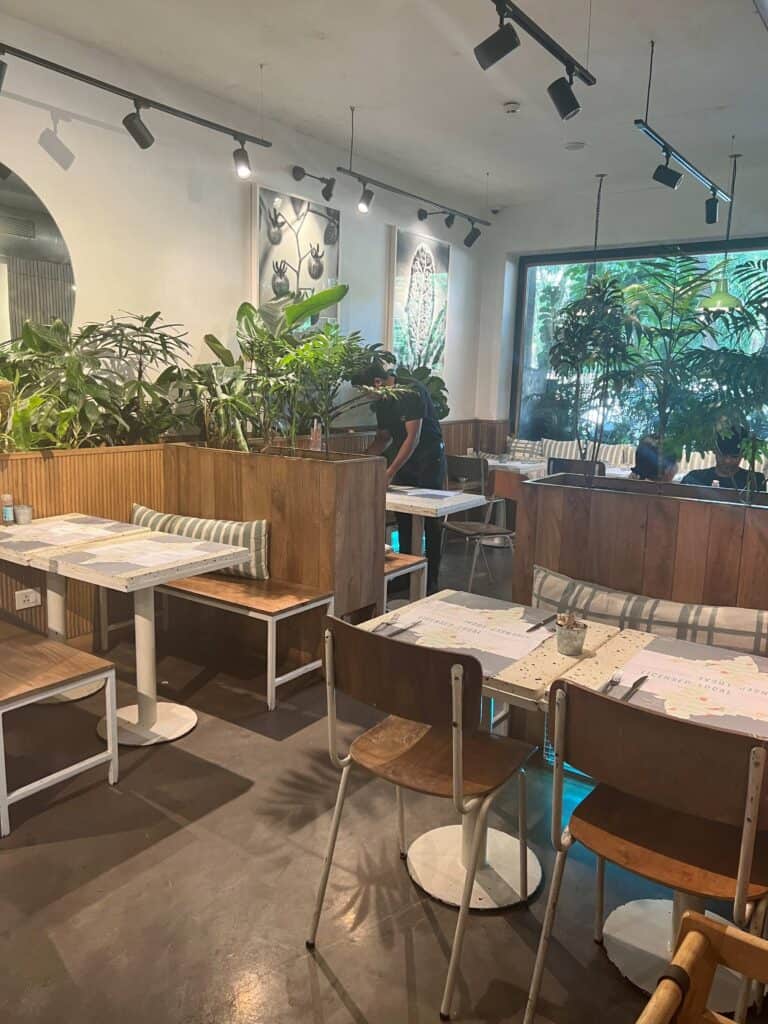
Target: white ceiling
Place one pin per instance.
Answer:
(425, 106)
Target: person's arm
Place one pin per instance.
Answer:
(380, 443)
(407, 448)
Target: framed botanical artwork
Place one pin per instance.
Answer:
(297, 245)
(418, 299)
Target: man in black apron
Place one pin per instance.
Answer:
(408, 430)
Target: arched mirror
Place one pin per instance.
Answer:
(36, 278)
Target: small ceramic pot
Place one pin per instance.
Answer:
(22, 514)
(571, 641)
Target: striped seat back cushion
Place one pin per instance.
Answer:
(738, 629)
(252, 535)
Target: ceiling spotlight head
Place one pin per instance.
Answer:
(711, 208)
(449, 219)
(56, 148)
(472, 236)
(421, 213)
(298, 172)
(242, 161)
(138, 131)
(503, 41)
(3, 69)
(327, 190)
(365, 200)
(666, 175)
(564, 98)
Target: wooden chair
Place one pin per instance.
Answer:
(583, 466)
(676, 802)
(429, 743)
(469, 472)
(475, 533)
(33, 668)
(703, 945)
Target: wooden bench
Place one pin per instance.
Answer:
(269, 601)
(33, 668)
(414, 566)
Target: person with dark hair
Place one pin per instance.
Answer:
(727, 471)
(408, 431)
(649, 465)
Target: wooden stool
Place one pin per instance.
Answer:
(33, 668)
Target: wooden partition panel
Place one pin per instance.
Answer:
(644, 539)
(482, 435)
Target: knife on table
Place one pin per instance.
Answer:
(633, 689)
(544, 622)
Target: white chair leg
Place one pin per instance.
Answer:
(111, 723)
(461, 924)
(485, 559)
(599, 899)
(546, 932)
(522, 830)
(271, 664)
(401, 822)
(336, 821)
(474, 564)
(5, 821)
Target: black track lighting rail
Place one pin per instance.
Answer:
(365, 179)
(545, 40)
(674, 154)
(141, 102)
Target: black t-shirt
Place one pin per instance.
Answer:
(415, 404)
(706, 477)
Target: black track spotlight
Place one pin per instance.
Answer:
(449, 219)
(242, 161)
(711, 209)
(472, 236)
(327, 189)
(503, 41)
(138, 131)
(3, 69)
(666, 175)
(298, 172)
(564, 98)
(421, 213)
(365, 200)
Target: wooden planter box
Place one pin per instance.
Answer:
(682, 543)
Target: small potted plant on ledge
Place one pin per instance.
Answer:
(571, 633)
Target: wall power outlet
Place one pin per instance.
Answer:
(27, 598)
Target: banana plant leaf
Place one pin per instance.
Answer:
(315, 304)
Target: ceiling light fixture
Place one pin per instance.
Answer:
(721, 300)
(329, 184)
(55, 147)
(500, 43)
(564, 98)
(664, 173)
(449, 219)
(133, 122)
(365, 201)
(711, 209)
(136, 128)
(242, 160)
(472, 235)
(421, 213)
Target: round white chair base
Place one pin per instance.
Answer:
(434, 864)
(79, 693)
(638, 940)
(173, 721)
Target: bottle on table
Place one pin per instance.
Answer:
(7, 508)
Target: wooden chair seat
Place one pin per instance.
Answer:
(419, 757)
(471, 529)
(31, 664)
(267, 597)
(676, 850)
(396, 564)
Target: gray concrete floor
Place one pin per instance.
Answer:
(183, 893)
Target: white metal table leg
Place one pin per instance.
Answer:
(271, 664)
(5, 821)
(639, 938)
(437, 863)
(56, 615)
(149, 721)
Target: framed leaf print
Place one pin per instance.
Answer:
(419, 299)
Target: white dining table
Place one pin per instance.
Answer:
(422, 503)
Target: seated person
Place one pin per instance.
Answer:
(649, 465)
(727, 471)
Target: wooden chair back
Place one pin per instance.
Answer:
(400, 678)
(468, 469)
(505, 484)
(584, 466)
(680, 765)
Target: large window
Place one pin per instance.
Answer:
(541, 404)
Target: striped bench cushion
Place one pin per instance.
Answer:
(738, 629)
(251, 535)
(519, 449)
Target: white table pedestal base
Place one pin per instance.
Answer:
(639, 939)
(56, 615)
(435, 865)
(173, 721)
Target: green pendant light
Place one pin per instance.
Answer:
(721, 300)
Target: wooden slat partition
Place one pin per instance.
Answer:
(670, 542)
(482, 435)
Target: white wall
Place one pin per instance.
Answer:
(168, 228)
(637, 216)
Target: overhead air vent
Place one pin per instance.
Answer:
(10, 225)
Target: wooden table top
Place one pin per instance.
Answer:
(37, 542)
(421, 501)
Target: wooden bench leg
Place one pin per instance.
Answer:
(5, 822)
(271, 664)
